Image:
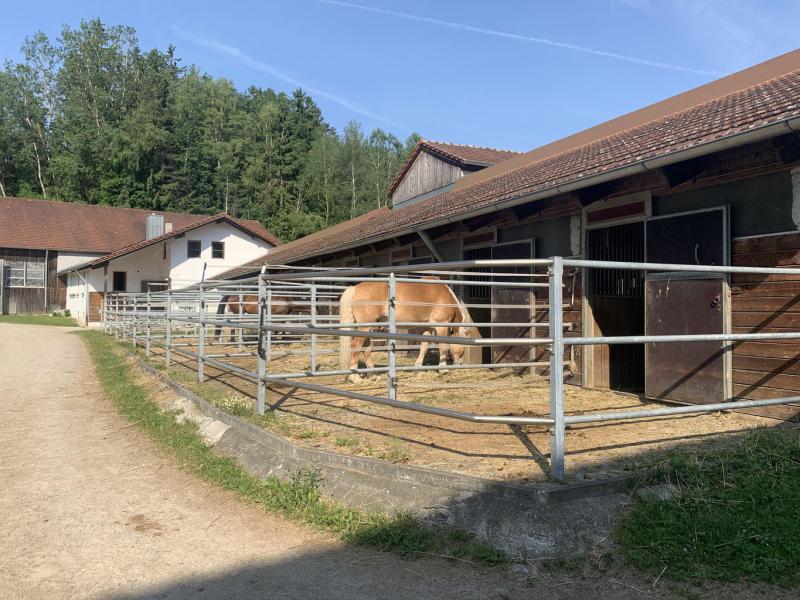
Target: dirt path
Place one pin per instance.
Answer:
(89, 509)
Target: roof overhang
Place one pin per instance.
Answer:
(735, 140)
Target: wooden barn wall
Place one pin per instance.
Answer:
(764, 304)
(758, 205)
(35, 300)
(426, 174)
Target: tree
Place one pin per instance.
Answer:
(93, 118)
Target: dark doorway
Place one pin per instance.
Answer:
(119, 281)
(512, 304)
(616, 298)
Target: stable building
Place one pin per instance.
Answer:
(43, 241)
(710, 176)
(433, 168)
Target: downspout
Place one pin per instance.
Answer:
(46, 281)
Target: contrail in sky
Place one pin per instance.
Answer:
(254, 63)
(525, 38)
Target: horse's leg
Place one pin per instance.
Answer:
(423, 350)
(367, 352)
(443, 347)
(356, 349)
(221, 329)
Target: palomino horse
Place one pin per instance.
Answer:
(249, 306)
(367, 302)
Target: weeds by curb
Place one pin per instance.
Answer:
(297, 497)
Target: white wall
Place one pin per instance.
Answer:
(149, 264)
(66, 260)
(240, 247)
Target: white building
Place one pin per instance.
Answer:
(167, 260)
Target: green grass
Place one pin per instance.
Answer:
(736, 516)
(38, 320)
(297, 497)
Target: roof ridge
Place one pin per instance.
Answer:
(622, 132)
(427, 141)
(102, 206)
(207, 220)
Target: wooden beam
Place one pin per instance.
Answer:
(426, 239)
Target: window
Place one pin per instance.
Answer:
(25, 273)
(217, 249)
(120, 281)
(193, 248)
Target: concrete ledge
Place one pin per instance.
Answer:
(538, 519)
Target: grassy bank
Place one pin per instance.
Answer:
(297, 497)
(38, 320)
(736, 515)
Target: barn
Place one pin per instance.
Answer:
(710, 176)
(41, 241)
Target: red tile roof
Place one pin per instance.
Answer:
(247, 226)
(69, 226)
(762, 103)
(311, 242)
(458, 154)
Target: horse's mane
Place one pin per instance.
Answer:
(465, 316)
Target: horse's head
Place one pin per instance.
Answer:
(458, 350)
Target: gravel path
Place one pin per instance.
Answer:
(90, 509)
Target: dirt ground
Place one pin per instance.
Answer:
(499, 452)
(90, 509)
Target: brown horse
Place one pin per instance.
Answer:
(249, 306)
(367, 302)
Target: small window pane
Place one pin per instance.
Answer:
(217, 249)
(193, 248)
(15, 273)
(34, 277)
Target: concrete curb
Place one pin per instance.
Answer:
(538, 519)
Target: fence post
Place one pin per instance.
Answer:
(168, 330)
(241, 328)
(201, 346)
(149, 330)
(392, 314)
(556, 368)
(261, 395)
(134, 323)
(313, 324)
(269, 314)
(116, 317)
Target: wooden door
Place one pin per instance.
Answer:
(687, 303)
(687, 372)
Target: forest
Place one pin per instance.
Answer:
(90, 117)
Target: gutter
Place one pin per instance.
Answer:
(756, 134)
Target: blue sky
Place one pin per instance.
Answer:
(509, 74)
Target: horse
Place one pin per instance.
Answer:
(281, 305)
(367, 302)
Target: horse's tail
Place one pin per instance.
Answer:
(223, 303)
(346, 316)
(462, 316)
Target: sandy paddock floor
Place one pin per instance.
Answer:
(503, 452)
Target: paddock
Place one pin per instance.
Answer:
(514, 411)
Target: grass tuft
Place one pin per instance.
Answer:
(297, 497)
(55, 320)
(734, 517)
